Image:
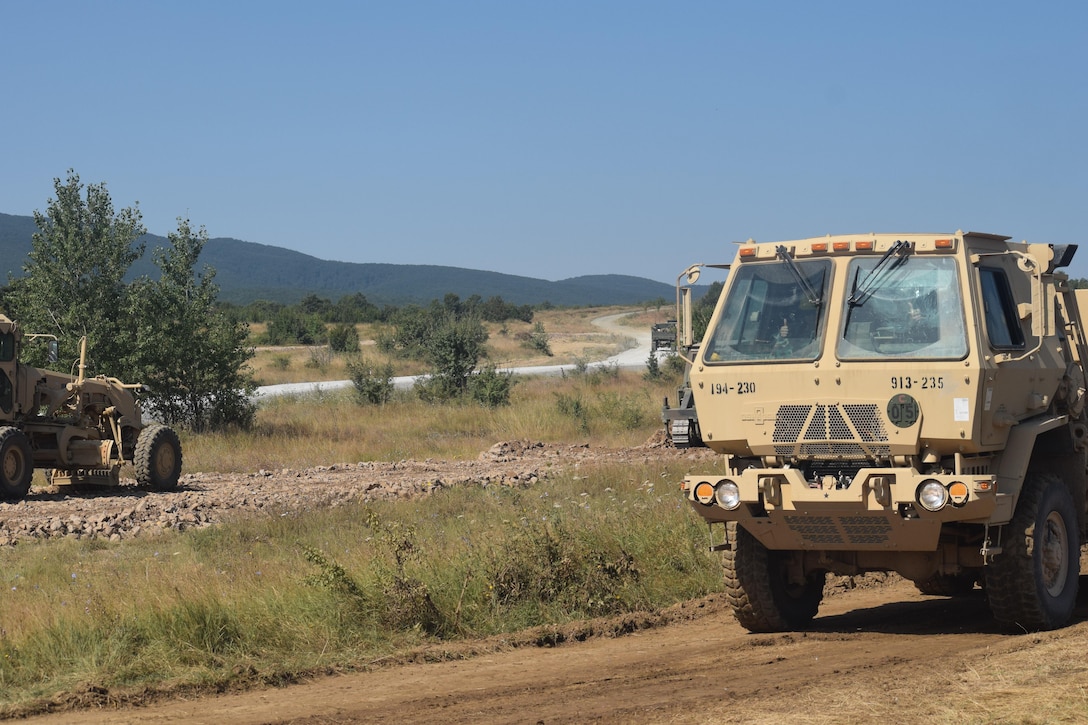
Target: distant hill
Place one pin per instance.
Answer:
(246, 271)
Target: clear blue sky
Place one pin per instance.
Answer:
(553, 138)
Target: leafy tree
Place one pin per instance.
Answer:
(191, 353)
(74, 280)
(703, 309)
(373, 382)
(344, 338)
(490, 386)
(356, 308)
(453, 350)
(291, 326)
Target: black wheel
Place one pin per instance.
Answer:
(16, 464)
(158, 458)
(948, 585)
(758, 588)
(1032, 583)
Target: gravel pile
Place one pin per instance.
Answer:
(205, 499)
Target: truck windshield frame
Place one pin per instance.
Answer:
(773, 312)
(915, 312)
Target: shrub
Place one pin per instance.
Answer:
(538, 339)
(344, 338)
(490, 387)
(653, 367)
(373, 383)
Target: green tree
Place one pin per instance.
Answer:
(454, 348)
(191, 354)
(344, 338)
(74, 280)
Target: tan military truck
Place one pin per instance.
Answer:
(895, 402)
(81, 430)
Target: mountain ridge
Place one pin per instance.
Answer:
(248, 271)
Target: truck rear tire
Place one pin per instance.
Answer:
(158, 458)
(1032, 584)
(757, 586)
(16, 464)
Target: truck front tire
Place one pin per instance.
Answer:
(758, 587)
(16, 464)
(1032, 584)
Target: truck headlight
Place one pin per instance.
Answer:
(727, 494)
(932, 495)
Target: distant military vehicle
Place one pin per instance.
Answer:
(81, 430)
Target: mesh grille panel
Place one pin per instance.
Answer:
(830, 431)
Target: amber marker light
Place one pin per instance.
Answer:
(863, 246)
(819, 247)
(704, 492)
(747, 252)
(943, 244)
(957, 492)
(841, 246)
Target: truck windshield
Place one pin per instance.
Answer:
(914, 311)
(770, 315)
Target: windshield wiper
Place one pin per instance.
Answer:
(810, 292)
(878, 274)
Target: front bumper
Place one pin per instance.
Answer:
(878, 511)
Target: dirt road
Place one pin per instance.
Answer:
(878, 652)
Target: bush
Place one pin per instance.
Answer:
(538, 339)
(490, 387)
(675, 364)
(344, 338)
(653, 367)
(373, 383)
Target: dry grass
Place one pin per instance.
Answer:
(615, 409)
(572, 336)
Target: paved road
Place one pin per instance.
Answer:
(634, 357)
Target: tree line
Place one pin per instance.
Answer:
(169, 333)
(316, 320)
(191, 350)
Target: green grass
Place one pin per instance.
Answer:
(265, 598)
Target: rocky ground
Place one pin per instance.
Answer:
(204, 499)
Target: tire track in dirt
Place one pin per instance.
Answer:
(873, 652)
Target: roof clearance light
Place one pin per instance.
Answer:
(841, 246)
(819, 247)
(863, 246)
(943, 244)
(747, 252)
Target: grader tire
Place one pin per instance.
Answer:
(1032, 584)
(158, 458)
(16, 464)
(759, 591)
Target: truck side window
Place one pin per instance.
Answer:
(1002, 320)
(7, 347)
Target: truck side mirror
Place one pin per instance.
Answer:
(52, 351)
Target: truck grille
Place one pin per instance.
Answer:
(851, 529)
(839, 431)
